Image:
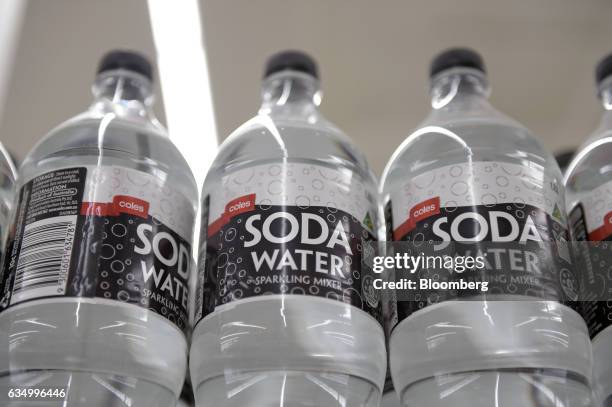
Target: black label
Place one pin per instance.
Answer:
(63, 246)
(525, 251)
(267, 249)
(594, 260)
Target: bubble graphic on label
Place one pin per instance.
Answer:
(118, 230)
(107, 252)
(275, 187)
(104, 274)
(117, 266)
(455, 171)
(332, 207)
(230, 269)
(265, 204)
(302, 201)
(450, 206)
(512, 170)
(330, 175)
(274, 170)
(230, 235)
(137, 178)
(222, 260)
(104, 285)
(331, 218)
(489, 200)
(424, 181)
(459, 188)
(519, 202)
(317, 184)
(419, 239)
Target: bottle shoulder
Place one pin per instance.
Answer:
(436, 144)
(89, 139)
(590, 168)
(265, 139)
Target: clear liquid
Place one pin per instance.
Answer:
(288, 348)
(472, 134)
(590, 170)
(93, 341)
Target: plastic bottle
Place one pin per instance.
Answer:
(470, 180)
(285, 316)
(588, 182)
(8, 175)
(93, 299)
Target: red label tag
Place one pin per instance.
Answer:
(130, 205)
(603, 231)
(95, 209)
(120, 204)
(419, 212)
(233, 208)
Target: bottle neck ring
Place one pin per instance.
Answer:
(604, 91)
(290, 93)
(125, 93)
(458, 85)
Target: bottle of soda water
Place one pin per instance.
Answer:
(8, 175)
(588, 183)
(472, 182)
(93, 296)
(285, 314)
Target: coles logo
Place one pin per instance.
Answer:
(233, 208)
(120, 204)
(420, 211)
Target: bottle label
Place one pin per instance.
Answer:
(107, 232)
(591, 224)
(508, 214)
(290, 228)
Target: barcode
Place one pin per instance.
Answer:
(44, 258)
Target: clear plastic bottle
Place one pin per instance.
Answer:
(94, 294)
(588, 183)
(284, 315)
(8, 175)
(465, 163)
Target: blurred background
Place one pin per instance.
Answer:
(373, 58)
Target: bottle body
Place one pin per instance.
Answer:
(589, 198)
(8, 175)
(94, 294)
(282, 301)
(497, 193)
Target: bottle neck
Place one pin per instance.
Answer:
(291, 95)
(125, 94)
(460, 90)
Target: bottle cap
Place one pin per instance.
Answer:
(603, 69)
(456, 58)
(128, 60)
(291, 60)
